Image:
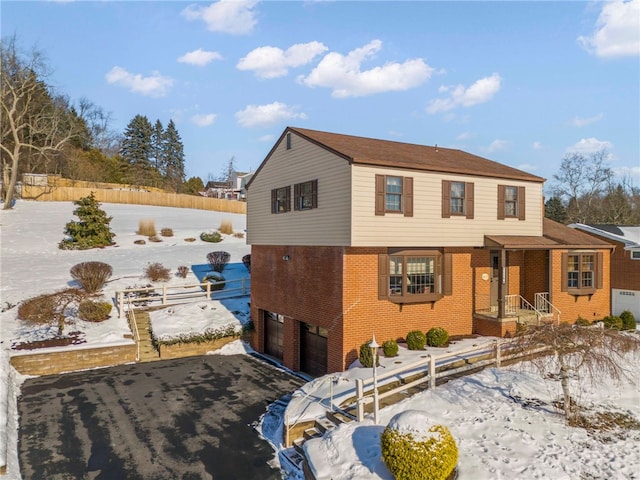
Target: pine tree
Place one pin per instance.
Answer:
(137, 150)
(173, 155)
(555, 210)
(92, 231)
(157, 145)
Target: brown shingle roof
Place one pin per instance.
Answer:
(384, 153)
(554, 235)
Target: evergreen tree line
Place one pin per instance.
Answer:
(586, 190)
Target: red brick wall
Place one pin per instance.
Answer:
(535, 278)
(591, 307)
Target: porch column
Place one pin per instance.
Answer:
(502, 261)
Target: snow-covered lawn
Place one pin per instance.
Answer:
(502, 419)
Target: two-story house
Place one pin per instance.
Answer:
(353, 237)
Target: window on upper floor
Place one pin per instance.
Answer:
(511, 202)
(394, 194)
(413, 276)
(281, 200)
(289, 141)
(457, 199)
(581, 272)
(305, 195)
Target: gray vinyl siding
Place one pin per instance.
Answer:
(427, 228)
(327, 225)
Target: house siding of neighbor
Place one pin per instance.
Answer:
(625, 264)
(353, 237)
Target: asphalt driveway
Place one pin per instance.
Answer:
(189, 418)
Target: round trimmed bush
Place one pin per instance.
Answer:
(416, 340)
(212, 237)
(612, 321)
(628, 320)
(437, 337)
(390, 348)
(365, 357)
(91, 311)
(582, 322)
(413, 450)
(216, 280)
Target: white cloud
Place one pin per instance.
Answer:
(536, 145)
(343, 73)
(498, 146)
(589, 145)
(153, 86)
(199, 57)
(582, 122)
(272, 62)
(630, 173)
(481, 91)
(266, 138)
(203, 120)
(527, 167)
(616, 33)
(236, 17)
(267, 115)
(463, 136)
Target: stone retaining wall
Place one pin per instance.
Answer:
(179, 350)
(52, 362)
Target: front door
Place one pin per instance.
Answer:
(495, 279)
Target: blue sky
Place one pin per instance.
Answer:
(522, 83)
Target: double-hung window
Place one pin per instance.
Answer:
(306, 195)
(281, 200)
(394, 194)
(457, 199)
(581, 272)
(414, 276)
(511, 202)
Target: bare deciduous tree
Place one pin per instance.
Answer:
(32, 123)
(586, 353)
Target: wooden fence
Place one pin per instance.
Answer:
(131, 196)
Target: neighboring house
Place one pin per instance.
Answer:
(625, 264)
(234, 189)
(353, 237)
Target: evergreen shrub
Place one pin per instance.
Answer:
(211, 237)
(628, 320)
(582, 322)
(390, 348)
(216, 280)
(92, 231)
(91, 311)
(416, 340)
(612, 321)
(365, 357)
(437, 337)
(414, 453)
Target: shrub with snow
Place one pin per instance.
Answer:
(416, 340)
(437, 337)
(413, 449)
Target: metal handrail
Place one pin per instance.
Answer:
(548, 307)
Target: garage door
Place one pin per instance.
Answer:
(313, 350)
(273, 334)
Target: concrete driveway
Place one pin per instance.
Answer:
(189, 418)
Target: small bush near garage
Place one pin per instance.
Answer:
(91, 311)
(218, 260)
(582, 322)
(157, 272)
(366, 357)
(411, 454)
(390, 348)
(437, 337)
(91, 275)
(416, 340)
(211, 237)
(612, 321)
(216, 280)
(628, 320)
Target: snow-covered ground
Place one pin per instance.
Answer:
(501, 419)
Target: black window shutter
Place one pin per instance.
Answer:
(274, 200)
(314, 194)
(468, 191)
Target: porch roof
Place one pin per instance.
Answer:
(554, 236)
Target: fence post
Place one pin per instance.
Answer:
(208, 290)
(120, 296)
(360, 399)
(498, 354)
(432, 371)
(164, 295)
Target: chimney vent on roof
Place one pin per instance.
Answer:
(436, 147)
